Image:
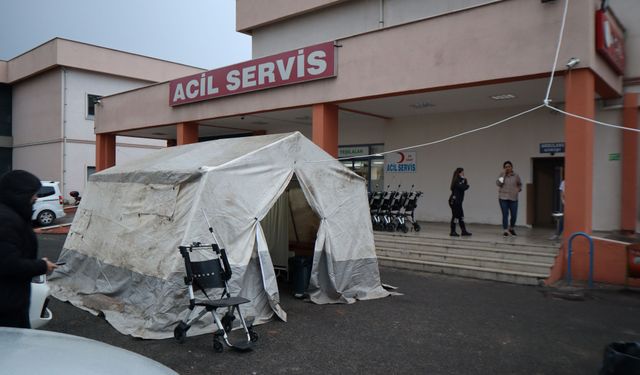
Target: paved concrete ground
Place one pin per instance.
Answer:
(441, 325)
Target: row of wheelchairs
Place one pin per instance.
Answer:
(394, 210)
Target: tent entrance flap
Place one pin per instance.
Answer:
(290, 227)
(268, 276)
(303, 221)
(276, 232)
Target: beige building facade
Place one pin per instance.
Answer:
(47, 101)
(411, 72)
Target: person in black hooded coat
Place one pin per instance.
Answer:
(18, 247)
(459, 185)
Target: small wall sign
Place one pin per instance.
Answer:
(614, 156)
(353, 151)
(551, 147)
(401, 162)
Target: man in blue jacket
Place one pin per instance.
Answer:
(18, 247)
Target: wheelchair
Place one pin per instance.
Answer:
(211, 276)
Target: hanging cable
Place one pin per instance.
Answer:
(555, 60)
(466, 132)
(592, 120)
(439, 140)
(546, 99)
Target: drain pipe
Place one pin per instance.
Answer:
(63, 127)
(381, 18)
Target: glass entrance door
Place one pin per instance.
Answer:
(377, 175)
(371, 168)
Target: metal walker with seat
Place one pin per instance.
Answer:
(211, 276)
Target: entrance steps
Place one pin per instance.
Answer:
(508, 260)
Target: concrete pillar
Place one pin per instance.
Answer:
(105, 151)
(629, 206)
(186, 132)
(579, 98)
(324, 130)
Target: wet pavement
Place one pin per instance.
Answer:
(440, 325)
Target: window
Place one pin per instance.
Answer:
(91, 105)
(46, 191)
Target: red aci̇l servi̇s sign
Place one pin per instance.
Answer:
(300, 65)
(610, 40)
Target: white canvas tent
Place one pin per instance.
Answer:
(122, 250)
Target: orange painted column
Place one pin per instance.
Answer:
(186, 133)
(629, 206)
(324, 130)
(579, 99)
(578, 209)
(105, 151)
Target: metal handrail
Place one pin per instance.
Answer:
(570, 241)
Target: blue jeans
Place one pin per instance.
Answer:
(507, 206)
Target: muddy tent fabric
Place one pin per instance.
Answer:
(122, 254)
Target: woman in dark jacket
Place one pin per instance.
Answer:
(18, 247)
(459, 185)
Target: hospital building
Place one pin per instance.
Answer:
(402, 91)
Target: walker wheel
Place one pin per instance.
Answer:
(180, 332)
(217, 346)
(253, 335)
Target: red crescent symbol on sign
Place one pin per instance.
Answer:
(401, 157)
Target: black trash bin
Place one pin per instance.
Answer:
(621, 358)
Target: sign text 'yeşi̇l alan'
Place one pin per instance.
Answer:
(300, 65)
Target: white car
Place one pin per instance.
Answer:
(48, 206)
(29, 351)
(39, 313)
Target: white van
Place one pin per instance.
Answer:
(48, 206)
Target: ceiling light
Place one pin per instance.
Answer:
(503, 97)
(158, 133)
(421, 105)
